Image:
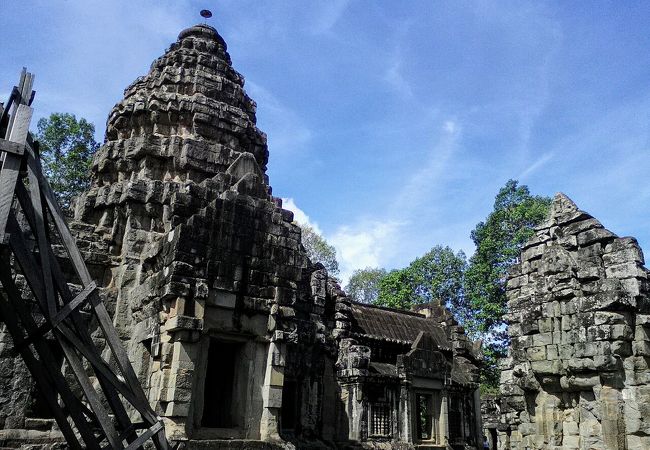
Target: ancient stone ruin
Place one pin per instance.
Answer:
(239, 340)
(577, 373)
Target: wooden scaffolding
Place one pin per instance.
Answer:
(92, 397)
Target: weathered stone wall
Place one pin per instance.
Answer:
(577, 374)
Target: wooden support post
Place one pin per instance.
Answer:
(11, 165)
(107, 414)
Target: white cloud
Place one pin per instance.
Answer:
(363, 244)
(450, 126)
(366, 244)
(299, 216)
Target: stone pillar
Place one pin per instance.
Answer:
(272, 392)
(444, 416)
(405, 415)
(613, 425)
(355, 411)
(180, 350)
(478, 421)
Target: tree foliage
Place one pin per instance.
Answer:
(67, 146)
(437, 275)
(319, 250)
(498, 241)
(363, 285)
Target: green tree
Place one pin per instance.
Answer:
(319, 250)
(363, 285)
(437, 275)
(67, 146)
(498, 241)
(397, 289)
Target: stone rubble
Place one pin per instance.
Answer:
(577, 374)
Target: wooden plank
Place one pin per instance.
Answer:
(12, 147)
(25, 260)
(62, 286)
(18, 97)
(47, 358)
(123, 362)
(59, 317)
(89, 392)
(39, 230)
(74, 304)
(26, 93)
(8, 177)
(20, 128)
(62, 227)
(105, 321)
(132, 428)
(9, 173)
(7, 107)
(99, 365)
(144, 437)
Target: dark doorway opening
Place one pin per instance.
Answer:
(493, 440)
(289, 411)
(219, 387)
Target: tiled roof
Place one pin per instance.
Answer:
(394, 325)
(383, 369)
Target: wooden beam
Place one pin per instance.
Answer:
(27, 263)
(144, 437)
(103, 317)
(25, 260)
(40, 217)
(12, 147)
(91, 395)
(17, 133)
(59, 317)
(47, 358)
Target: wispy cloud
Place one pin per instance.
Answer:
(326, 15)
(540, 162)
(286, 131)
(395, 77)
(376, 241)
(428, 174)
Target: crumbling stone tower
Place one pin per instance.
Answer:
(577, 375)
(181, 227)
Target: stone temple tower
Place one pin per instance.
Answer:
(180, 226)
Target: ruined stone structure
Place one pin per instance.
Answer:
(491, 417)
(577, 374)
(239, 340)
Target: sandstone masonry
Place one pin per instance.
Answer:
(577, 375)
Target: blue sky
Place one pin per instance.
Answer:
(391, 125)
